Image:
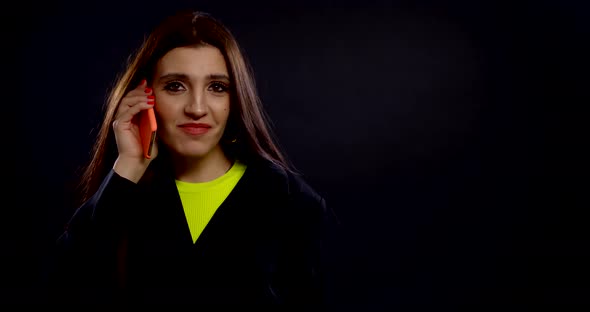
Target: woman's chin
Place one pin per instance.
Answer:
(193, 149)
(193, 153)
(196, 151)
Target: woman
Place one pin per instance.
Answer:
(216, 215)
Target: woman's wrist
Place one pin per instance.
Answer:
(130, 169)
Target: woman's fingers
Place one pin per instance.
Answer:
(141, 89)
(125, 117)
(128, 104)
(139, 95)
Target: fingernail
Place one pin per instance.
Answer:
(151, 97)
(148, 90)
(151, 102)
(143, 81)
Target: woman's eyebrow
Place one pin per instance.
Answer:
(182, 76)
(173, 76)
(218, 77)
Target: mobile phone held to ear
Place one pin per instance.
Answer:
(147, 131)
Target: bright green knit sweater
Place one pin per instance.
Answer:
(201, 200)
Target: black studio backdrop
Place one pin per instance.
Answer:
(447, 135)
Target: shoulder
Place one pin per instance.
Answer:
(306, 209)
(293, 184)
(303, 198)
(300, 188)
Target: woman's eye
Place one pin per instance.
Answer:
(174, 86)
(218, 87)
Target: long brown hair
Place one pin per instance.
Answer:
(248, 134)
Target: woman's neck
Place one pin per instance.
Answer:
(203, 169)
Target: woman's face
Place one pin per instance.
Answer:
(191, 88)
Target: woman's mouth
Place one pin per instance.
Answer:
(195, 128)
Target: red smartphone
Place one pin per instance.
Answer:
(147, 131)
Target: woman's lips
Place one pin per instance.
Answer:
(195, 129)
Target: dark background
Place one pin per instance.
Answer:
(448, 136)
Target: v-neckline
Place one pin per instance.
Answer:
(224, 208)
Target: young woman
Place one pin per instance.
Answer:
(216, 215)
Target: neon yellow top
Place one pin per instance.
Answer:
(201, 200)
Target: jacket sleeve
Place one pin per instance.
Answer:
(302, 278)
(84, 262)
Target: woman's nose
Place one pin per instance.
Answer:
(196, 106)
